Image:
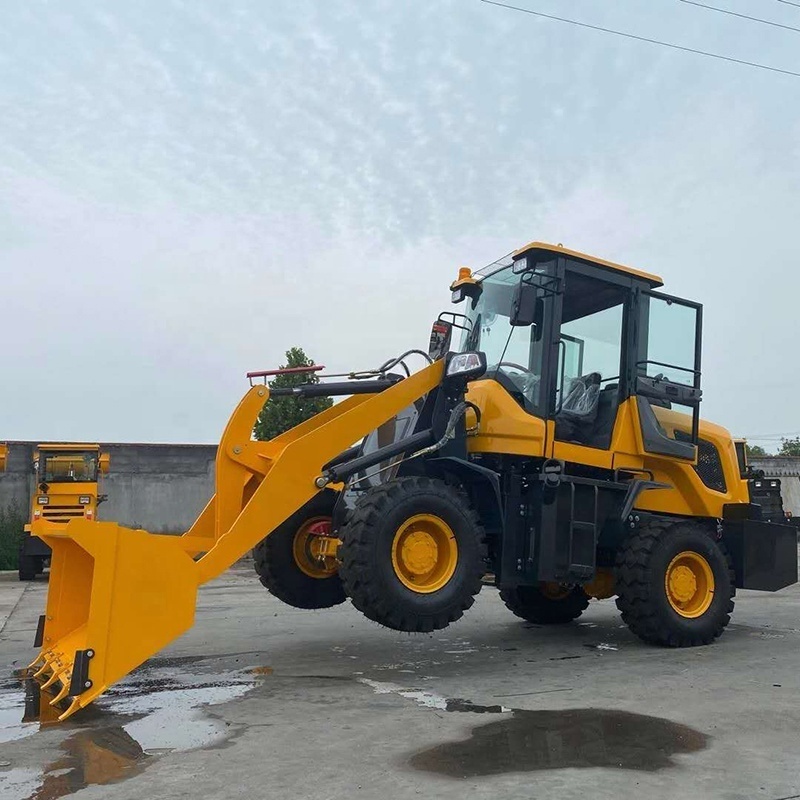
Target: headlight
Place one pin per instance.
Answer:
(466, 365)
(42, 499)
(84, 499)
(520, 265)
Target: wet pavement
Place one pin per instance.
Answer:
(162, 708)
(261, 700)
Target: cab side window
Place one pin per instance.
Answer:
(590, 357)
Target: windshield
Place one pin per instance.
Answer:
(63, 467)
(513, 357)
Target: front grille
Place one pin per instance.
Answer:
(709, 464)
(61, 513)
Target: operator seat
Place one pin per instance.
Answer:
(578, 412)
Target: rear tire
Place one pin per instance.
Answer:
(675, 584)
(543, 606)
(310, 585)
(413, 554)
(27, 568)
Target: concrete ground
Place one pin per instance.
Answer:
(260, 700)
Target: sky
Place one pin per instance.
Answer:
(188, 189)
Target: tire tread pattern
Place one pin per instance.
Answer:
(634, 596)
(281, 576)
(530, 604)
(366, 589)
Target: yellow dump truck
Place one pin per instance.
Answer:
(557, 446)
(67, 487)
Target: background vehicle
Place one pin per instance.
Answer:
(549, 451)
(67, 479)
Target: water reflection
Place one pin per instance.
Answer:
(90, 757)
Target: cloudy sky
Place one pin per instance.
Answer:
(187, 189)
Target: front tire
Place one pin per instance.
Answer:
(413, 554)
(675, 584)
(286, 564)
(547, 604)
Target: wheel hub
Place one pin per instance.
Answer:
(310, 548)
(682, 583)
(424, 553)
(689, 584)
(419, 552)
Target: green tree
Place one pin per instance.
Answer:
(756, 451)
(12, 522)
(282, 413)
(790, 447)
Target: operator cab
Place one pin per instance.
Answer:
(570, 337)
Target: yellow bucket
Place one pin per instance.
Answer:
(116, 596)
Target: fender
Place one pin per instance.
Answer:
(492, 513)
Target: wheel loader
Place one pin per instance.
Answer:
(551, 439)
(67, 486)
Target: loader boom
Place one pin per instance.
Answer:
(117, 596)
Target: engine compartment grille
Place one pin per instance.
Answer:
(709, 464)
(61, 513)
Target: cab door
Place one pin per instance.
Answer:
(667, 375)
(591, 375)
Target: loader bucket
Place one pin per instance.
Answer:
(116, 597)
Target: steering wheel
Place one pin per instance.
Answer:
(527, 381)
(518, 367)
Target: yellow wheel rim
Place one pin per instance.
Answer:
(554, 591)
(689, 583)
(424, 553)
(306, 549)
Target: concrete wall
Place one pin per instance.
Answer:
(163, 487)
(159, 487)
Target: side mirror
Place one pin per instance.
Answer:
(527, 308)
(441, 334)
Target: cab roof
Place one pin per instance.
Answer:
(71, 448)
(653, 280)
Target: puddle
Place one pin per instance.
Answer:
(19, 714)
(156, 710)
(431, 700)
(467, 706)
(527, 741)
(426, 699)
(90, 757)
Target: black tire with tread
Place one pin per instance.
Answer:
(27, 567)
(274, 562)
(531, 604)
(366, 561)
(642, 598)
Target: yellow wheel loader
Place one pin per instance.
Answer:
(557, 447)
(67, 487)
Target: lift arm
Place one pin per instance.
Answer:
(117, 596)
